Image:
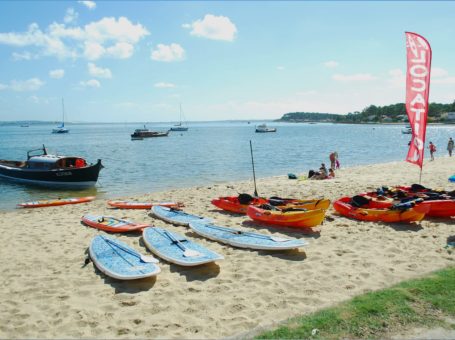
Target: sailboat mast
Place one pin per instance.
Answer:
(63, 112)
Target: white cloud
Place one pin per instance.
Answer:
(121, 50)
(280, 68)
(353, 77)
(445, 81)
(23, 56)
(70, 16)
(90, 83)
(93, 50)
(89, 4)
(57, 74)
(331, 64)
(163, 85)
(213, 27)
(306, 93)
(168, 53)
(108, 37)
(396, 78)
(3, 86)
(99, 72)
(38, 100)
(31, 84)
(437, 72)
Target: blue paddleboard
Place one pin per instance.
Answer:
(245, 239)
(178, 217)
(120, 261)
(175, 248)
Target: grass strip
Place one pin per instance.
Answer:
(423, 302)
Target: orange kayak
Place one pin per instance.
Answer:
(112, 224)
(143, 205)
(57, 202)
(232, 203)
(408, 213)
(294, 218)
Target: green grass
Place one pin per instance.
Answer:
(423, 302)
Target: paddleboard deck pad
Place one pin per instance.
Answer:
(143, 205)
(177, 249)
(112, 224)
(177, 217)
(118, 260)
(57, 202)
(244, 239)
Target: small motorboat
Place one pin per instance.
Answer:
(263, 128)
(407, 130)
(52, 171)
(146, 133)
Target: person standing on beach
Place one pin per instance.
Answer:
(333, 158)
(450, 146)
(432, 148)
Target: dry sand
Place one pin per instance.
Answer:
(47, 292)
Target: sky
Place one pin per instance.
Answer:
(127, 61)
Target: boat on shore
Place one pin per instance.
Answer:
(146, 133)
(51, 171)
(264, 128)
(179, 126)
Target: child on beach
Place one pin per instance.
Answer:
(432, 148)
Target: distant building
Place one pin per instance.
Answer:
(450, 115)
(387, 119)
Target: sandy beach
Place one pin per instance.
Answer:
(47, 292)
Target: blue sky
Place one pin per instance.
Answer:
(137, 61)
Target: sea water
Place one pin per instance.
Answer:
(207, 153)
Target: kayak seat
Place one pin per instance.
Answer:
(359, 201)
(245, 198)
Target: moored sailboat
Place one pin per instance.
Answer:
(61, 128)
(179, 126)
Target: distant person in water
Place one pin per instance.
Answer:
(333, 157)
(432, 148)
(450, 146)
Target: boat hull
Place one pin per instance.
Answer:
(68, 178)
(179, 129)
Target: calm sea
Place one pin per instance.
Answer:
(208, 153)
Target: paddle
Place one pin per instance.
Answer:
(143, 258)
(239, 232)
(186, 251)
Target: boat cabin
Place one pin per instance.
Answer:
(47, 162)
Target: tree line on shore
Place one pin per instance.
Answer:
(394, 113)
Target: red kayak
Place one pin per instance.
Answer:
(366, 211)
(143, 205)
(439, 204)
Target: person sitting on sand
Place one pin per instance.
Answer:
(331, 174)
(322, 174)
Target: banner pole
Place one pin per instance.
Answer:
(254, 173)
(420, 176)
